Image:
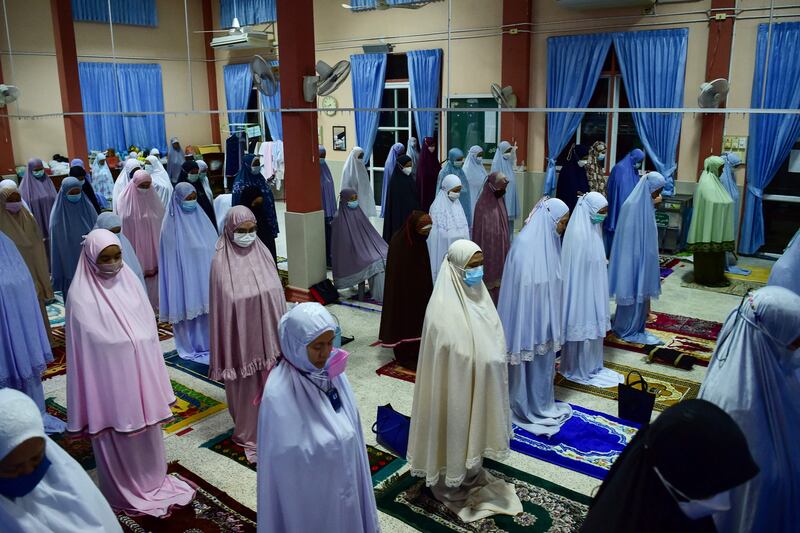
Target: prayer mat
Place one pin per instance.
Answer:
(58, 366)
(164, 331)
(60, 338)
(671, 390)
(757, 274)
(211, 511)
(382, 464)
(589, 442)
(190, 408)
(79, 447)
(737, 287)
(666, 263)
(394, 370)
(55, 313)
(546, 505)
(193, 368)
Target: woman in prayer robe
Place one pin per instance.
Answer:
(43, 487)
(402, 198)
(356, 177)
(586, 311)
(753, 377)
(505, 159)
(711, 230)
(490, 231)
(190, 173)
(78, 170)
(786, 270)
(119, 401)
(72, 218)
(452, 166)
(161, 182)
(129, 168)
(408, 289)
(359, 252)
(530, 309)
(19, 225)
(111, 222)
(476, 176)
(623, 179)
(595, 168)
(102, 179)
(427, 173)
(674, 474)
(251, 190)
(24, 344)
(40, 194)
(141, 212)
(572, 180)
(633, 274)
(202, 167)
(247, 302)
(395, 152)
(461, 413)
(175, 159)
(309, 430)
(328, 190)
(449, 222)
(728, 180)
(11, 185)
(187, 246)
(413, 152)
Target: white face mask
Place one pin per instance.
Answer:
(431, 149)
(454, 195)
(507, 156)
(695, 509)
(459, 163)
(244, 240)
(149, 168)
(407, 171)
(582, 163)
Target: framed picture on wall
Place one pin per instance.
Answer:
(339, 139)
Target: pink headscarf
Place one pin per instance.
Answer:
(490, 231)
(116, 377)
(141, 212)
(247, 302)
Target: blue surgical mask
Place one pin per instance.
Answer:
(637, 165)
(473, 276)
(598, 218)
(193, 177)
(38, 174)
(189, 205)
(352, 204)
(17, 487)
(74, 198)
(601, 157)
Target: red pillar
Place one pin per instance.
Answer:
(516, 70)
(211, 73)
(6, 148)
(718, 60)
(67, 58)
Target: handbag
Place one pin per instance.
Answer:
(391, 429)
(635, 399)
(324, 292)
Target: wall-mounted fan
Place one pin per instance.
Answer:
(713, 93)
(329, 79)
(8, 93)
(504, 96)
(264, 77)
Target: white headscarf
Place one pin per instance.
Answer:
(102, 179)
(206, 185)
(161, 182)
(506, 166)
(124, 177)
(12, 185)
(476, 174)
(65, 500)
(449, 223)
(356, 177)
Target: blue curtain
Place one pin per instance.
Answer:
(653, 66)
(247, 11)
(99, 94)
(771, 136)
(406, 2)
(574, 63)
(238, 86)
(132, 12)
(140, 89)
(368, 73)
(273, 118)
(424, 77)
(363, 5)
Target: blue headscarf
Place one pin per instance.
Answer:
(326, 185)
(634, 274)
(728, 181)
(621, 182)
(450, 168)
(108, 220)
(786, 271)
(188, 243)
(247, 178)
(69, 222)
(395, 151)
(506, 166)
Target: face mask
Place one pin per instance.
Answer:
(637, 165)
(336, 363)
(141, 190)
(507, 156)
(473, 276)
(499, 193)
(427, 227)
(407, 171)
(352, 204)
(192, 177)
(189, 205)
(74, 198)
(244, 240)
(582, 163)
(657, 200)
(38, 174)
(598, 218)
(695, 509)
(601, 157)
(431, 149)
(13, 207)
(459, 164)
(17, 487)
(453, 195)
(109, 270)
(148, 168)
(201, 175)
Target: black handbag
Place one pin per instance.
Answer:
(635, 400)
(324, 292)
(391, 429)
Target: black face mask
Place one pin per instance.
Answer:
(499, 193)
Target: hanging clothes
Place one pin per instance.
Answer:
(587, 315)
(395, 151)
(476, 176)
(265, 153)
(128, 170)
(623, 179)
(252, 191)
(402, 198)
(113, 223)
(161, 182)
(408, 288)
(356, 177)
(427, 173)
(73, 217)
(102, 179)
(175, 159)
(40, 194)
(278, 163)
(449, 223)
(413, 152)
(247, 302)
(786, 270)
(728, 180)
(595, 168)
(234, 152)
(190, 173)
(490, 231)
(572, 180)
(303, 438)
(328, 191)
(455, 159)
(78, 170)
(633, 273)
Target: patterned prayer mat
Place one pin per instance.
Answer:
(191, 407)
(671, 390)
(667, 264)
(56, 313)
(193, 368)
(738, 287)
(211, 511)
(757, 275)
(58, 366)
(546, 505)
(78, 447)
(394, 370)
(382, 464)
(589, 442)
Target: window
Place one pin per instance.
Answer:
(131, 12)
(781, 199)
(469, 128)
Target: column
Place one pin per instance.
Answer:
(6, 148)
(211, 73)
(516, 71)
